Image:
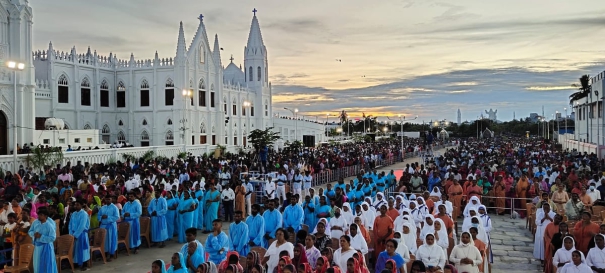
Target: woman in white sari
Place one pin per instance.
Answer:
(368, 215)
(348, 213)
(441, 237)
(466, 223)
(408, 235)
(402, 248)
(379, 201)
(431, 254)
(465, 255)
(436, 193)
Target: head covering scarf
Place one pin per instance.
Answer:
(394, 264)
(410, 238)
(423, 201)
(368, 216)
(451, 268)
(336, 269)
(436, 192)
(470, 243)
(286, 260)
(401, 246)
(378, 203)
(211, 267)
(162, 266)
(426, 228)
(466, 223)
(326, 223)
(225, 263)
(303, 256)
(236, 268)
(181, 262)
(256, 259)
(470, 205)
(481, 234)
(308, 268)
(442, 233)
(363, 268)
(348, 215)
(326, 263)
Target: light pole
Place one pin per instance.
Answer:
(247, 105)
(558, 122)
(565, 109)
(294, 113)
(187, 95)
(14, 66)
(401, 120)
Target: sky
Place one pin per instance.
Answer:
(424, 58)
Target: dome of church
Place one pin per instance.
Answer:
(234, 75)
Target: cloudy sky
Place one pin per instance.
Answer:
(409, 57)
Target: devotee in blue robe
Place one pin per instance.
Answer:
(79, 224)
(171, 223)
(293, 214)
(178, 264)
(381, 184)
(199, 210)
(323, 210)
(43, 233)
(217, 243)
(157, 210)
(185, 215)
(341, 184)
(191, 235)
(212, 200)
(256, 227)
(309, 208)
(330, 192)
(194, 258)
(108, 216)
(273, 221)
(238, 234)
(131, 212)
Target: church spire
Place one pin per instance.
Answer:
(216, 52)
(181, 48)
(255, 38)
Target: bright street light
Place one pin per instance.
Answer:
(187, 93)
(15, 67)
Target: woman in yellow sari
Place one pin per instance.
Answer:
(94, 206)
(521, 189)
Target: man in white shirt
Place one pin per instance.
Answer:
(270, 188)
(228, 197)
(132, 184)
(297, 180)
(307, 180)
(225, 177)
(249, 190)
(281, 181)
(594, 194)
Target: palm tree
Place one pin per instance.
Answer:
(583, 87)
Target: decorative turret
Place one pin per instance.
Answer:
(216, 52)
(181, 48)
(51, 52)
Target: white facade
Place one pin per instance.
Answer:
(589, 119)
(139, 101)
(65, 138)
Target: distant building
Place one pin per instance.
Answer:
(533, 117)
(459, 120)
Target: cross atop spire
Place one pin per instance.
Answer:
(254, 11)
(201, 17)
(231, 59)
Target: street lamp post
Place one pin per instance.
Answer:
(294, 113)
(401, 120)
(14, 66)
(187, 94)
(565, 109)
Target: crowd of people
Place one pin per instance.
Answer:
(350, 226)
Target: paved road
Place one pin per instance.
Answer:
(512, 245)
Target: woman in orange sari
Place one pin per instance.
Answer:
(521, 190)
(500, 193)
(584, 231)
(240, 197)
(455, 194)
(550, 231)
(363, 230)
(480, 245)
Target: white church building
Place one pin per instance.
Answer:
(190, 98)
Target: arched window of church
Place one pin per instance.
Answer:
(87, 127)
(203, 139)
(145, 98)
(85, 92)
(169, 121)
(121, 95)
(144, 122)
(203, 128)
(234, 106)
(105, 134)
(63, 89)
(104, 94)
(121, 136)
(169, 93)
(201, 92)
(120, 123)
(251, 76)
(202, 54)
(258, 71)
(266, 108)
(144, 139)
(169, 138)
(225, 105)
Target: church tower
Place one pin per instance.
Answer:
(459, 119)
(256, 70)
(16, 22)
